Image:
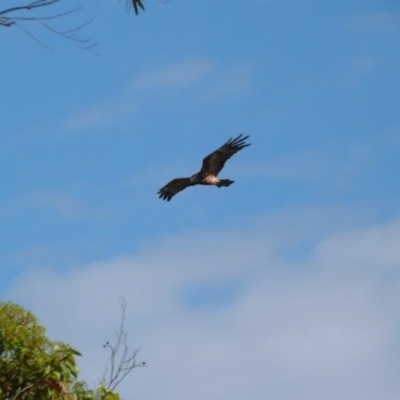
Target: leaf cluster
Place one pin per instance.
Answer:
(32, 367)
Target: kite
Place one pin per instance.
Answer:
(212, 165)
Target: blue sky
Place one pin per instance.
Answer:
(285, 285)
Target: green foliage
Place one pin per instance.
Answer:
(32, 367)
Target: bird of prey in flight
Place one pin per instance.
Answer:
(212, 165)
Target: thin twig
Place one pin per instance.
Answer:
(20, 391)
(54, 16)
(8, 20)
(120, 365)
(30, 6)
(33, 37)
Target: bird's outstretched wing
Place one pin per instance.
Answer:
(215, 161)
(136, 4)
(174, 187)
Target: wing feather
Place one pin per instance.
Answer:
(214, 162)
(174, 187)
(136, 4)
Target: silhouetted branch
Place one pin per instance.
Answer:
(30, 6)
(122, 360)
(11, 17)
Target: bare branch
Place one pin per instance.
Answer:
(51, 16)
(122, 360)
(20, 391)
(9, 17)
(33, 37)
(30, 6)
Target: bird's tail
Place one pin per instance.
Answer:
(224, 182)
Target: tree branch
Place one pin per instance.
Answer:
(21, 391)
(119, 365)
(9, 19)
(30, 6)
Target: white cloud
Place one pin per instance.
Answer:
(107, 113)
(230, 82)
(324, 325)
(216, 81)
(377, 246)
(63, 204)
(104, 114)
(327, 166)
(178, 75)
